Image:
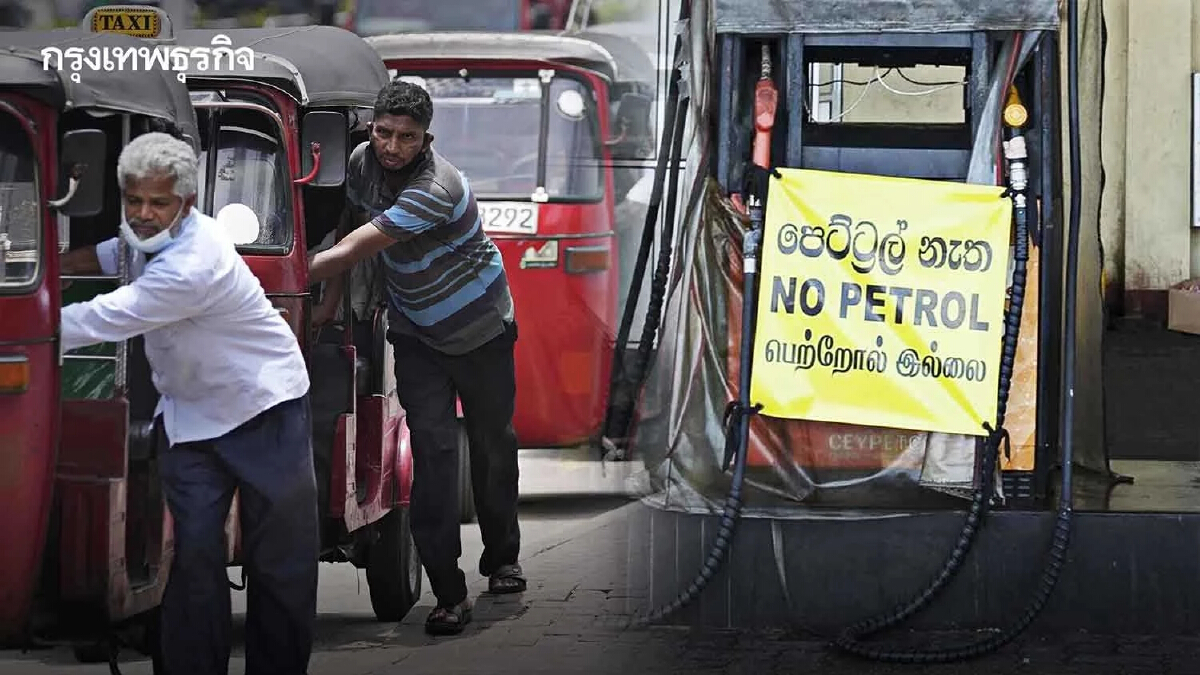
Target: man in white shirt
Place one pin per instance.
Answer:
(234, 408)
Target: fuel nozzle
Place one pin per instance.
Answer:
(766, 100)
(1015, 114)
(1015, 151)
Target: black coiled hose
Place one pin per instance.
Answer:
(1062, 528)
(847, 639)
(658, 286)
(621, 386)
(737, 421)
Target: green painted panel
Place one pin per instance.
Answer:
(89, 379)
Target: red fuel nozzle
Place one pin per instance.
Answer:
(766, 100)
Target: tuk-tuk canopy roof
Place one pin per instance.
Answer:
(495, 46)
(634, 64)
(869, 16)
(318, 66)
(156, 94)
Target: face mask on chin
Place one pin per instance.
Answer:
(154, 244)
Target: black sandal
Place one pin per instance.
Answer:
(507, 579)
(449, 620)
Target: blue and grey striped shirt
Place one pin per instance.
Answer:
(444, 276)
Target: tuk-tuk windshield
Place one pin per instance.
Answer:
(20, 229)
(250, 168)
(491, 128)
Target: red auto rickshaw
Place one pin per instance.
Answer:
(86, 541)
(534, 122)
(382, 17)
(277, 111)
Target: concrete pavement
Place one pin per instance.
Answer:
(586, 580)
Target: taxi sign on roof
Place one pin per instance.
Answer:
(138, 21)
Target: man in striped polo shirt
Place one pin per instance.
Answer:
(451, 324)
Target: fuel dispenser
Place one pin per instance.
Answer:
(1008, 135)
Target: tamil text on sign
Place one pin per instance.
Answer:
(881, 301)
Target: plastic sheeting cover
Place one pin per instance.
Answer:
(680, 436)
(910, 16)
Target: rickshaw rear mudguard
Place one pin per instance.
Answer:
(92, 487)
(384, 463)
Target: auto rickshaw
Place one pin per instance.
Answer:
(86, 538)
(535, 123)
(381, 17)
(277, 110)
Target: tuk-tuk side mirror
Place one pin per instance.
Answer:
(634, 135)
(323, 135)
(81, 170)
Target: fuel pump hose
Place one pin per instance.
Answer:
(733, 502)
(737, 420)
(620, 396)
(847, 639)
(989, 451)
(1062, 529)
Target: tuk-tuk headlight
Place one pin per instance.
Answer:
(14, 374)
(571, 105)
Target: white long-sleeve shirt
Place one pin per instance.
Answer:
(220, 353)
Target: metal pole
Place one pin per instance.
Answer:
(5, 244)
(122, 279)
(123, 346)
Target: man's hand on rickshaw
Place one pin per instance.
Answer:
(324, 313)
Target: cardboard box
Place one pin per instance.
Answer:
(1183, 307)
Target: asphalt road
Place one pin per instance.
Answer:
(559, 497)
(582, 555)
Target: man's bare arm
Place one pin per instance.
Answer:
(81, 261)
(417, 210)
(364, 242)
(331, 297)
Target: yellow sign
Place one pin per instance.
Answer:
(881, 301)
(132, 20)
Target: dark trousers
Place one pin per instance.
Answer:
(269, 461)
(485, 381)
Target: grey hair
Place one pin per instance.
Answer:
(159, 154)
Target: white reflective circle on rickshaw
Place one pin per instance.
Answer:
(240, 222)
(571, 104)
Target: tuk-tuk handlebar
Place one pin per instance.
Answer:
(315, 148)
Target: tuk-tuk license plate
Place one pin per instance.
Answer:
(509, 217)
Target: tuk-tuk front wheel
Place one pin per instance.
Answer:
(393, 567)
(466, 494)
